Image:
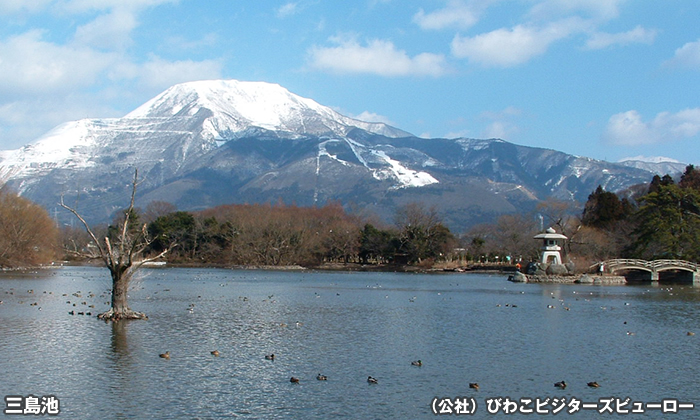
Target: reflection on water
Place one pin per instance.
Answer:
(515, 340)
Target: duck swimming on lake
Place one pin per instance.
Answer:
(474, 385)
(294, 380)
(593, 384)
(372, 380)
(215, 353)
(165, 355)
(269, 357)
(561, 385)
(321, 377)
(417, 363)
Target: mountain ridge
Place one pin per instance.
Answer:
(206, 143)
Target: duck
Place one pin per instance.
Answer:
(594, 384)
(372, 380)
(269, 357)
(561, 385)
(215, 353)
(689, 332)
(294, 380)
(321, 377)
(165, 355)
(474, 385)
(417, 363)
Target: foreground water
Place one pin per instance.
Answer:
(515, 340)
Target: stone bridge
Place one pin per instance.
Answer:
(653, 267)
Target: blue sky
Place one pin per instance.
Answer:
(608, 79)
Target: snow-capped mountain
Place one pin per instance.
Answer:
(207, 143)
(237, 106)
(659, 164)
(193, 117)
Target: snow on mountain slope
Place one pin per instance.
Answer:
(406, 177)
(61, 146)
(378, 161)
(188, 119)
(237, 106)
(657, 164)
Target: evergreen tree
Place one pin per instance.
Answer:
(376, 244)
(668, 224)
(658, 182)
(603, 209)
(177, 227)
(690, 178)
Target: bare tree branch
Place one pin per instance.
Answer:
(87, 229)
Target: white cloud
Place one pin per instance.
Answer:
(628, 128)
(29, 64)
(502, 124)
(108, 31)
(372, 117)
(457, 13)
(377, 57)
(638, 35)
(497, 130)
(22, 6)
(597, 9)
(546, 22)
(287, 9)
(510, 47)
(687, 56)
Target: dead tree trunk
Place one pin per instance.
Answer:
(122, 258)
(121, 278)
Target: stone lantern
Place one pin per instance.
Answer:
(551, 246)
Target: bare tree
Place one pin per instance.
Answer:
(123, 256)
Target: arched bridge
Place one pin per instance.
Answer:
(653, 267)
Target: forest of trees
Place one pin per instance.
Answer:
(278, 235)
(658, 220)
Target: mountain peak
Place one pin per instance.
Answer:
(257, 102)
(237, 106)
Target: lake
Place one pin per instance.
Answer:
(514, 339)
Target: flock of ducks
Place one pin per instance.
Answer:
(319, 377)
(373, 380)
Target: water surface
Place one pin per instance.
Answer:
(516, 340)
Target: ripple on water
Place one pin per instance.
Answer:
(346, 326)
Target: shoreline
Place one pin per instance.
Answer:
(572, 279)
(500, 269)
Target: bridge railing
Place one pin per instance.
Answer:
(655, 265)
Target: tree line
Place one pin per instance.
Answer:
(279, 235)
(658, 220)
(284, 235)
